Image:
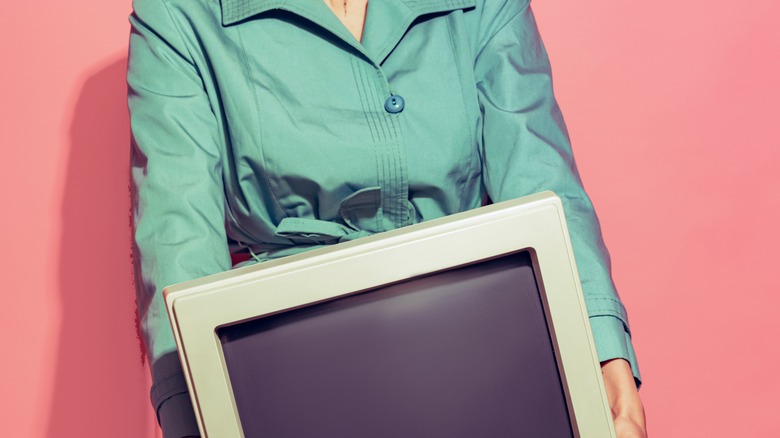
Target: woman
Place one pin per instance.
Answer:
(246, 114)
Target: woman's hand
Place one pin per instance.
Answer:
(624, 402)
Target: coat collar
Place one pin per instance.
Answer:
(237, 10)
(386, 20)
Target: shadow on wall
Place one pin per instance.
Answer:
(101, 384)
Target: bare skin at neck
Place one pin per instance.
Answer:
(352, 14)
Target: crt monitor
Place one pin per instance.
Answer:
(470, 325)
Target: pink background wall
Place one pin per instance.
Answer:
(672, 108)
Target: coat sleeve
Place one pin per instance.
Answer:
(175, 170)
(526, 149)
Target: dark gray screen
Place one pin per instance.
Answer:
(460, 353)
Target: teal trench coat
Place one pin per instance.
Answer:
(264, 127)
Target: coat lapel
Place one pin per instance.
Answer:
(316, 11)
(386, 20)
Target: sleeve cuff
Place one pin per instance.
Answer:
(177, 419)
(171, 399)
(613, 341)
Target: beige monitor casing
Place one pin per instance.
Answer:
(535, 223)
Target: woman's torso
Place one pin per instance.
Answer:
(307, 128)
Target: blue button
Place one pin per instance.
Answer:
(394, 104)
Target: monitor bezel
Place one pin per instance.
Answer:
(534, 223)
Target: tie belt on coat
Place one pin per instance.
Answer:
(360, 212)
